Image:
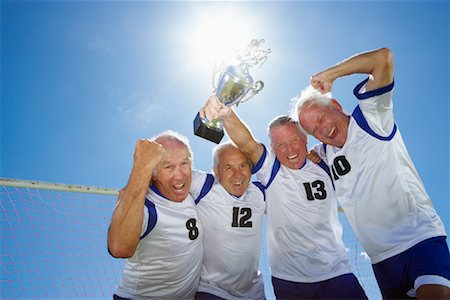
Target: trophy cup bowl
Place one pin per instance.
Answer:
(233, 87)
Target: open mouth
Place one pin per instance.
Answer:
(292, 157)
(237, 183)
(332, 132)
(179, 187)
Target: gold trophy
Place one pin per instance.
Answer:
(233, 87)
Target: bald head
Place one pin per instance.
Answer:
(170, 139)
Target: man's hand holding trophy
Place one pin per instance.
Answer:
(234, 85)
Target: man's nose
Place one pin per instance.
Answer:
(236, 172)
(290, 149)
(178, 173)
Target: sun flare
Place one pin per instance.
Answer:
(219, 36)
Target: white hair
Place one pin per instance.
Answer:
(306, 96)
(218, 149)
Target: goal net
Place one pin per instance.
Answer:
(53, 244)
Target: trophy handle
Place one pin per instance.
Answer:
(259, 85)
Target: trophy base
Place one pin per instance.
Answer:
(211, 134)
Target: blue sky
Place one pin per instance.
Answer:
(82, 81)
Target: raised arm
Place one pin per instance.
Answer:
(126, 223)
(236, 129)
(379, 64)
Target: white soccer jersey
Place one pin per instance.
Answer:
(376, 182)
(303, 231)
(232, 238)
(167, 261)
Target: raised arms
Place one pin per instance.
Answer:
(379, 64)
(236, 129)
(126, 223)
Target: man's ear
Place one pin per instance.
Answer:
(215, 171)
(272, 146)
(336, 104)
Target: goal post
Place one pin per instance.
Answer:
(53, 243)
(32, 184)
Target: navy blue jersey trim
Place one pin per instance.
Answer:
(275, 168)
(261, 188)
(304, 163)
(362, 122)
(325, 167)
(206, 187)
(373, 93)
(152, 217)
(155, 189)
(324, 146)
(260, 161)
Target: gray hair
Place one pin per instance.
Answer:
(307, 96)
(218, 149)
(281, 121)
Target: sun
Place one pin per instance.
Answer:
(218, 36)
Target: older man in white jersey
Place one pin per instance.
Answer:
(155, 224)
(231, 210)
(376, 182)
(307, 256)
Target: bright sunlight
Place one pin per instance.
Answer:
(218, 36)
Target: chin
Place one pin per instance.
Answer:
(337, 144)
(291, 165)
(238, 192)
(179, 198)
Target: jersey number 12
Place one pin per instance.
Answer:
(241, 217)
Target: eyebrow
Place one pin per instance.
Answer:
(170, 162)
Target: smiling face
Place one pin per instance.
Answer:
(233, 170)
(327, 123)
(174, 173)
(289, 145)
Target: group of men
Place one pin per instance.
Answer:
(189, 234)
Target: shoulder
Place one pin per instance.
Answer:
(257, 190)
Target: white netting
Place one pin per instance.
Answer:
(53, 246)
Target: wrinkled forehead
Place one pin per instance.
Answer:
(311, 105)
(231, 156)
(310, 110)
(172, 144)
(287, 130)
(175, 153)
(228, 152)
